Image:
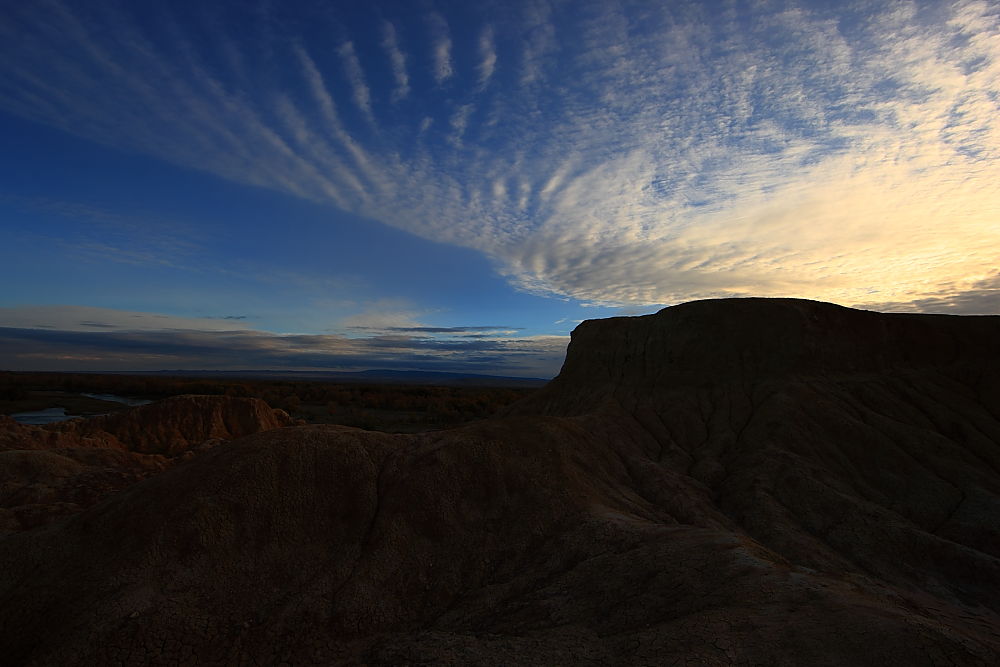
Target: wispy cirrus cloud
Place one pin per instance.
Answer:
(623, 154)
(487, 55)
(538, 39)
(460, 123)
(441, 45)
(362, 95)
(397, 59)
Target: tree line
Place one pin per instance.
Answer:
(442, 404)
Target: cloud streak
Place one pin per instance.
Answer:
(649, 154)
(62, 338)
(487, 56)
(352, 67)
(398, 61)
(85, 318)
(441, 46)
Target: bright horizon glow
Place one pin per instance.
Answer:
(504, 170)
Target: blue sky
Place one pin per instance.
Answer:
(454, 185)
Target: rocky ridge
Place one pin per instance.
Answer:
(49, 472)
(752, 481)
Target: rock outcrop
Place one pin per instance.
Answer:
(15, 436)
(48, 472)
(169, 427)
(773, 482)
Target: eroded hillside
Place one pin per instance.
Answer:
(725, 482)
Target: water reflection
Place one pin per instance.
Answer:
(46, 416)
(53, 415)
(131, 402)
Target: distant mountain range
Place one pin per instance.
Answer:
(375, 376)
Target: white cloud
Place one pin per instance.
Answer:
(487, 56)
(538, 41)
(383, 314)
(459, 124)
(397, 59)
(645, 155)
(352, 67)
(441, 48)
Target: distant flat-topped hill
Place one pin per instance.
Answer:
(745, 481)
(754, 339)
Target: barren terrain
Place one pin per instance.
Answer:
(774, 482)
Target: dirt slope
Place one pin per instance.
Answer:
(772, 482)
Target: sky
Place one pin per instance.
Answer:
(454, 186)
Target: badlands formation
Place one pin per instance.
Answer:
(727, 482)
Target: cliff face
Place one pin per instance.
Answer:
(723, 341)
(747, 481)
(845, 440)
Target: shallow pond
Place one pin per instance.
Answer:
(57, 414)
(46, 416)
(131, 402)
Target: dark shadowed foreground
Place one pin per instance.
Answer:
(772, 482)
